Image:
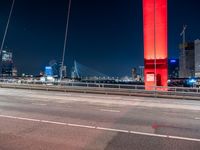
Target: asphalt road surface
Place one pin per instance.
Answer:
(42, 120)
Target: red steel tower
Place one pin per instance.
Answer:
(155, 43)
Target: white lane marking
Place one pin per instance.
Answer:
(61, 102)
(101, 128)
(53, 122)
(197, 118)
(110, 129)
(149, 134)
(110, 110)
(136, 99)
(81, 126)
(183, 138)
(19, 118)
(39, 104)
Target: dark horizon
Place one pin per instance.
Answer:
(105, 36)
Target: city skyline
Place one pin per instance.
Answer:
(106, 36)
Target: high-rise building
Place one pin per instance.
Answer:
(197, 57)
(186, 60)
(14, 72)
(6, 63)
(134, 73)
(173, 68)
(48, 71)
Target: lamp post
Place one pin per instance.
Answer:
(7, 25)
(65, 41)
(155, 78)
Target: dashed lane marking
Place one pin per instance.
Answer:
(39, 104)
(110, 110)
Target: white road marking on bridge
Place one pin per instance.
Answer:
(40, 104)
(110, 129)
(110, 110)
(81, 126)
(197, 118)
(100, 128)
(183, 138)
(136, 99)
(19, 118)
(62, 102)
(53, 122)
(149, 134)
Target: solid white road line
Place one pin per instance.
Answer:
(110, 129)
(110, 110)
(101, 128)
(53, 122)
(149, 134)
(19, 118)
(183, 138)
(39, 104)
(197, 118)
(81, 126)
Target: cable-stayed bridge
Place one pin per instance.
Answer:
(85, 72)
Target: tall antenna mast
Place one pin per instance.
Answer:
(65, 41)
(7, 25)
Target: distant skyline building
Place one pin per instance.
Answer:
(14, 72)
(197, 57)
(173, 68)
(187, 60)
(6, 63)
(134, 73)
(141, 72)
(48, 71)
(55, 67)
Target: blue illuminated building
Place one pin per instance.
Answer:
(48, 71)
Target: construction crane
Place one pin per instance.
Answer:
(183, 47)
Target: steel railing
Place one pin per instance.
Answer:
(104, 88)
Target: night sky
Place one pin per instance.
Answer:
(105, 35)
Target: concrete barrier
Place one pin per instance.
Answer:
(107, 90)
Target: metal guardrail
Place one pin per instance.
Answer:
(117, 89)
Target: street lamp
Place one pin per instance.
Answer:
(155, 78)
(7, 25)
(65, 41)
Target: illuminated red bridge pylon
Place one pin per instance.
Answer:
(155, 43)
